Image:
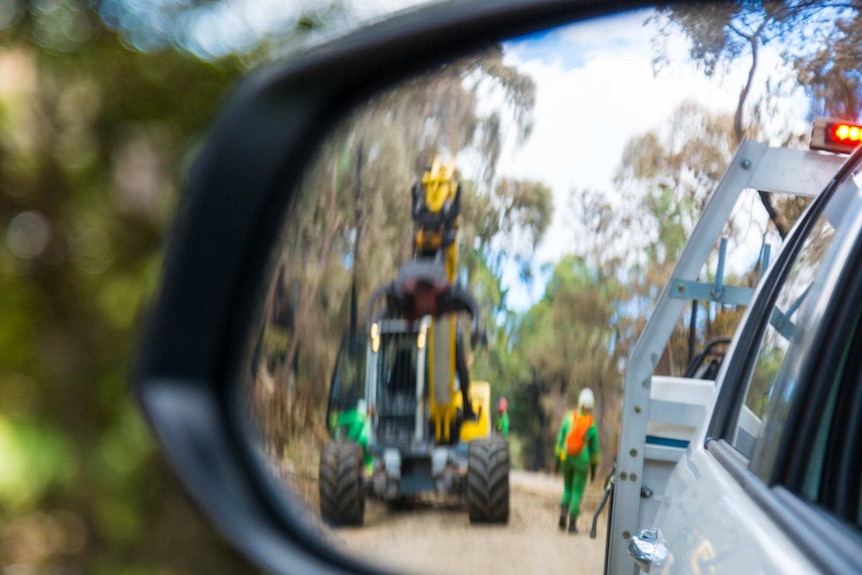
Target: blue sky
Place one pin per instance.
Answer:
(571, 47)
(549, 46)
(595, 90)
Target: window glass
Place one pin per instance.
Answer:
(780, 330)
(397, 402)
(814, 470)
(832, 466)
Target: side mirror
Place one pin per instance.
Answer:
(200, 339)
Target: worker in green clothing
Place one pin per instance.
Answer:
(354, 423)
(578, 450)
(503, 417)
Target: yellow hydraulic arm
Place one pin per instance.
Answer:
(436, 212)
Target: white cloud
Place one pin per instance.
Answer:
(591, 103)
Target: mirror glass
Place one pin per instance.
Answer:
(475, 246)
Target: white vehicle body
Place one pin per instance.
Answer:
(684, 500)
(712, 525)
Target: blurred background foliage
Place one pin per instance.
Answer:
(100, 103)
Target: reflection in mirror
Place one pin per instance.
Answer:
(471, 249)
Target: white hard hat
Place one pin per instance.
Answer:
(586, 400)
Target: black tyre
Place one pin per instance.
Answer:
(488, 481)
(342, 493)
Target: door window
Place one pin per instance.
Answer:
(779, 332)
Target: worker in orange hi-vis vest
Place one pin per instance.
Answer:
(578, 450)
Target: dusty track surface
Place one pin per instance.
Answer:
(436, 537)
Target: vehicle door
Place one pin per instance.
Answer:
(772, 486)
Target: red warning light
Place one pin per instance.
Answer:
(846, 133)
(835, 135)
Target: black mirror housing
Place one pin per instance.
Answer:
(235, 201)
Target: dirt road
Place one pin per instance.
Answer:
(437, 538)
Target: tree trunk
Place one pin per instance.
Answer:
(308, 293)
(739, 131)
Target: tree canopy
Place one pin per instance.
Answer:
(818, 43)
(92, 136)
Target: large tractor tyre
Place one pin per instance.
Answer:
(488, 481)
(342, 490)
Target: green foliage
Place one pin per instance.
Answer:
(720, 33)
(711, 42)
(526, 210)
(566, 342)
(832, 75)
(36, 459)
(92, 137)
(499, 362)
(598, 297)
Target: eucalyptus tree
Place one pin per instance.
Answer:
(818, 41)
(567, 341)
(668, 176)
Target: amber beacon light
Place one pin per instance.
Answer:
(835, 135)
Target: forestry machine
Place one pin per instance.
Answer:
(404, 417)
